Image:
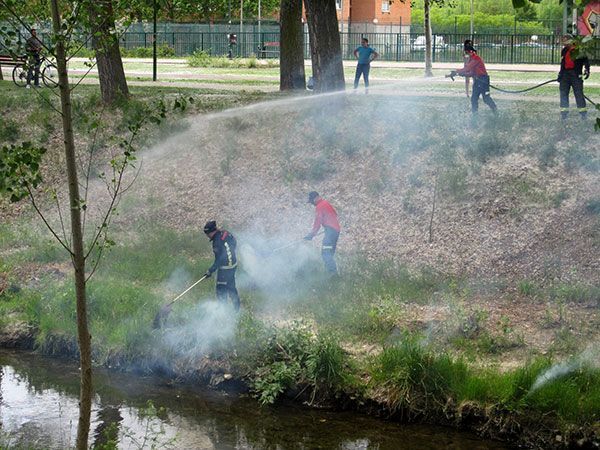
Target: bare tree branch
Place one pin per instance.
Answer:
(62, 223)
(35, 206)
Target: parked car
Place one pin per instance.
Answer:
(437, 43)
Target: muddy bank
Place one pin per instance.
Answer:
(529, 430)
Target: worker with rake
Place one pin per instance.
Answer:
(225, 264)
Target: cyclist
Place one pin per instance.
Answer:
(33, 47)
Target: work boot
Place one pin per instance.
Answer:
(563, 115)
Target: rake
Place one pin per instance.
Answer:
(161, 316)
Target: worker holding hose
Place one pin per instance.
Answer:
(573, 70)
(475, 68)
(225, 264)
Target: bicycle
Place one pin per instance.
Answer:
(48, 73)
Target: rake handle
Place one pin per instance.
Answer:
(188, 289)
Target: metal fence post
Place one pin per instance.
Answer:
(512, 49)
(553, 46)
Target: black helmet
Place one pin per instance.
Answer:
(312, 195)
(210, 226)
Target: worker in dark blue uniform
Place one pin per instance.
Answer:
(573, 70)
(223, 244)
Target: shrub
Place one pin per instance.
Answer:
(295, 357)
(162, 51)
(202, 58)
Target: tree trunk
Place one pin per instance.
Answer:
(427, 20)
(325, 48)
(78, 256)
(108, 55)
(291, 46)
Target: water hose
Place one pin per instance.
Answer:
(535, 87)
(520, 91)
(588, 99)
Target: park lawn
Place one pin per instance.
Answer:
(361, 334)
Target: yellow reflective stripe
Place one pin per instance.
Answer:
(562, 109)
(327, 246)
(233, 266)
(584, 109)
(221, 282)
(229, 257)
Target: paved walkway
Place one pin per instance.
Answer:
(386, 64)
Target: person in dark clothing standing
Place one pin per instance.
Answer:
(365, 55)
(33, 47)
(573, 70)
(325, 216)
(475, 68)
(223, 244)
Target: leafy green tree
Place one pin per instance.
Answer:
(111, 74)
(291, 41)
(527, 12)
(325, 48)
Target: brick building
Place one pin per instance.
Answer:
(373, 16)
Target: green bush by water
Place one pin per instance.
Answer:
(411, 376)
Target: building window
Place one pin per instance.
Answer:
(385, 6)
(338, 4)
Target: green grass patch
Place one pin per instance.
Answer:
(412, 377)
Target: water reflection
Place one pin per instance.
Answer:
(38, 408)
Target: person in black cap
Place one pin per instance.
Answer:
(325, 216)
(223, 244)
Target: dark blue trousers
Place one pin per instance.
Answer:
(328, 249)
(362, 69)
(481, 86)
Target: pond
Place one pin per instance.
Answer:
(38, 409)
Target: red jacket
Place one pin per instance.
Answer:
(325, 215)
(474, 68)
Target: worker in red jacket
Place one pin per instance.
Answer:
(475, 68)
(325, 216)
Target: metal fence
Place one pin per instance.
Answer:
(495, 48)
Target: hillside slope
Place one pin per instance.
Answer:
(515, 196)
